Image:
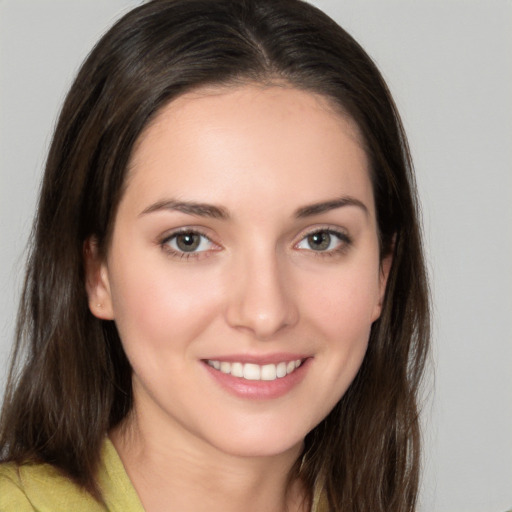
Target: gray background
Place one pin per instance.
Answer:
(449, 66)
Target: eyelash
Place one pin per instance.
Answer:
(343, 238)
(184, 255)
(344, 242)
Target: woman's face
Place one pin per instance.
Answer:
(245, 245)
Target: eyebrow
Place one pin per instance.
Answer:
(218, 212)
(190, 208)
(325, 206)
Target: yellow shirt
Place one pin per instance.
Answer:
(41, 488)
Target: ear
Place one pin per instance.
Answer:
(96, 281)
(385, 268)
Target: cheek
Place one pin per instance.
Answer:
(339, 319)
(157, 305)
(347, 303)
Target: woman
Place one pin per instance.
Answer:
(226, 304)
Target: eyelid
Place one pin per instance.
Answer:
(342, 234)
(164, 240)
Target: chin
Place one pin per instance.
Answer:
(260, 442)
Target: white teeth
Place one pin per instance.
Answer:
(225, 367)
(251, 371)
(268, 372)
(237, 370)
(281, 370)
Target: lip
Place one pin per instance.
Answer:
(260, 389)
(273, 358)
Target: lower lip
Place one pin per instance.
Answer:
(259, 389)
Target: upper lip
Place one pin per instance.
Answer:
(258, 359)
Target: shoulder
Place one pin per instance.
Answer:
(41, 488)
(12, 497)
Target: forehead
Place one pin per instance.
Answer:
(231, 102)
(250, 139)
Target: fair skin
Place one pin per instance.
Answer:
(215, 303)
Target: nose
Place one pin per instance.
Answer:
(262, 301)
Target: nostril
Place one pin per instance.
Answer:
(261, 306)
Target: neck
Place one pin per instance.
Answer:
(177, 471)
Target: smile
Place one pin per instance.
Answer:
(251, 371)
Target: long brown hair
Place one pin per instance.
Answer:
(70, 381)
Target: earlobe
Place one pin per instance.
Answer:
(96, 281)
